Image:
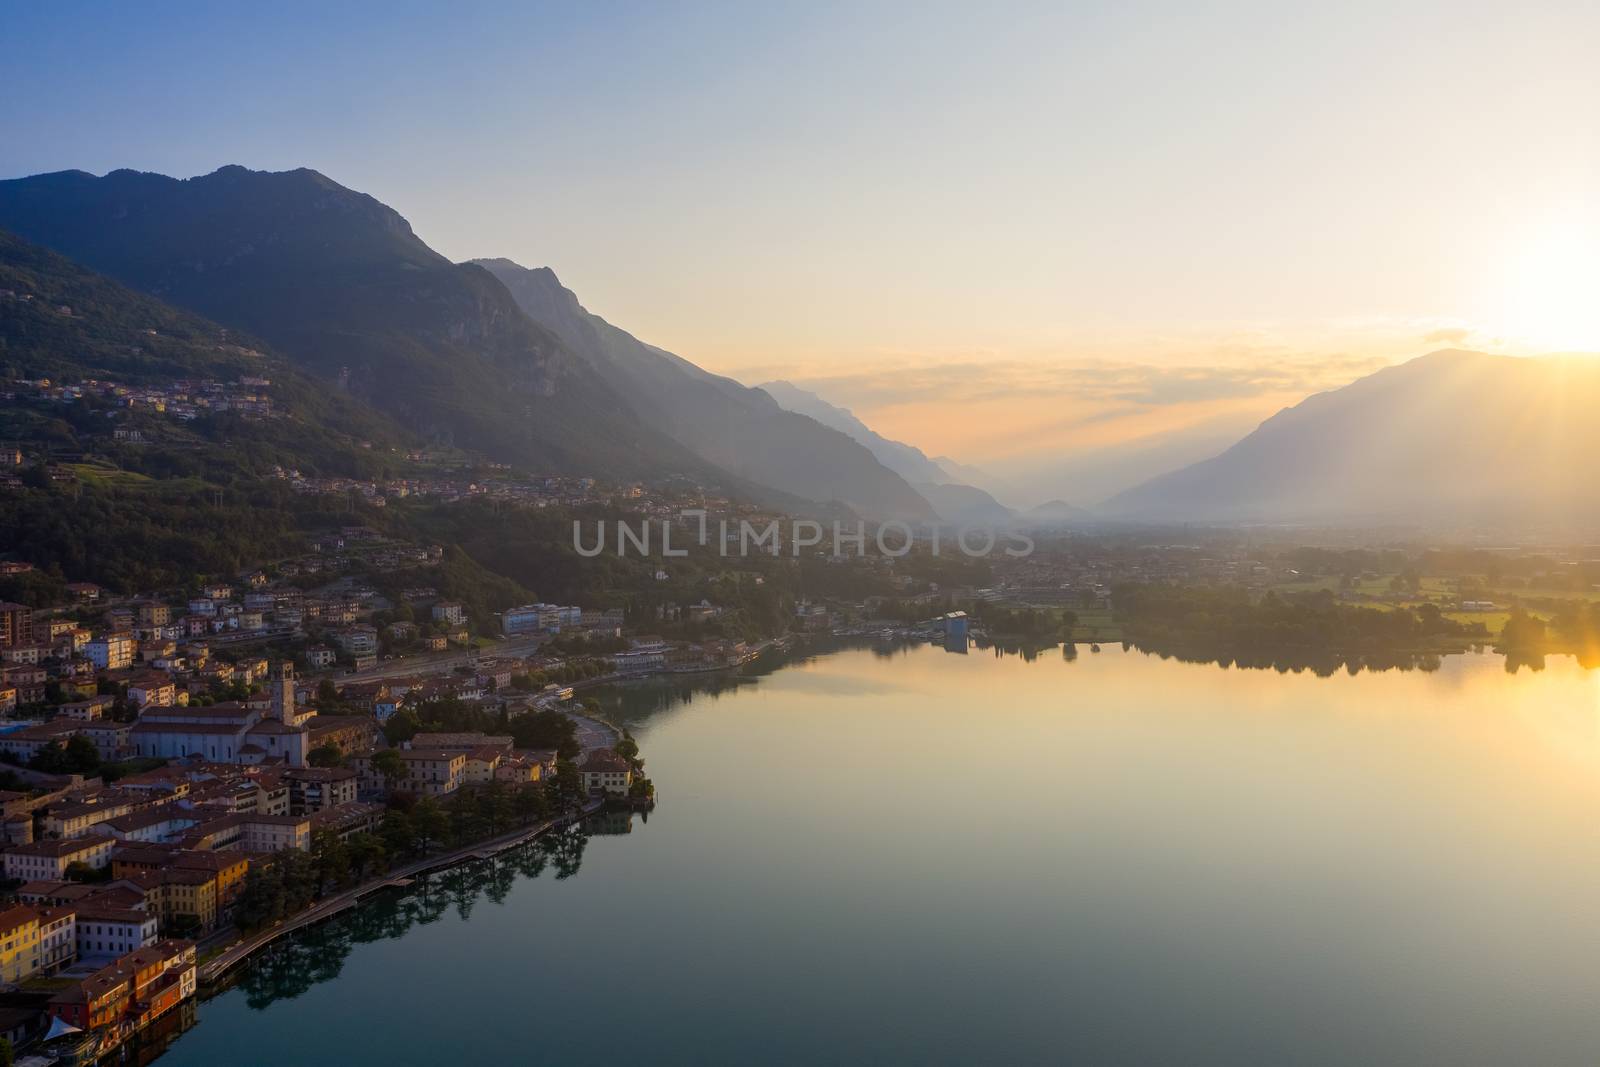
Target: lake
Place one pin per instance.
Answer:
(912, 856)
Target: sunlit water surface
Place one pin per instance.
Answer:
(920, 857)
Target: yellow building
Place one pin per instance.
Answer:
(182, 896)
(19, 943)
(34, 940)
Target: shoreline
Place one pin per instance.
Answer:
(241, 952)
(215, 970)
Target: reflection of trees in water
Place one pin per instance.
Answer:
(632, 703)
(1027, 650)
(1534, 661)
(296, 963)
(1321, 662)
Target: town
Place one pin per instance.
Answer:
(173, 797)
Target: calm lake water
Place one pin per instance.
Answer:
(920, 857)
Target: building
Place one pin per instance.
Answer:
(539, 618)
(16, 624)
(461, 740)
(225, 733)
(226, 870)
(182, 898)
(35, 940)
(313, 789)
(448, 611)
(130, 992)
(88, 710)
(428, 772)
(156, 825)
(70, 819)
(25, 743)
(47, 861)
(274, 833)
(605, 771)
(152, 688)
(105, 929)
(359, 640)
(111, 651)
(19, 943)
(347, 733)
(320, 656)
(283, 699)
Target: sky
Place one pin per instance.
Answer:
(1019, 234)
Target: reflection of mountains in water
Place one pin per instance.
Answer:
(295, 964)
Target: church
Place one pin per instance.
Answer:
(267, 731)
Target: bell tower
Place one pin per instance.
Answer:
(283, 694)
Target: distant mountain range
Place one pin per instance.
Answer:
(735, 427)
(1450, 437)
(905, 460)
(959, 493)
(332, 287)
(338, 282)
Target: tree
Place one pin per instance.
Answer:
(329, 755)
(497, 806)
(401, 727)
(530, 803)
(299, 879)
(628, 749)
(331, 859)
(569, 781)
(466, 816)
(396, 832)
(367, 854)
(429, 822)
(389, 763)
(262, 900)
(546, 729)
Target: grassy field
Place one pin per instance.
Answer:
(105, 476)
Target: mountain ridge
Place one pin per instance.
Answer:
(340, 283)
(1451, 436)
(740, 429)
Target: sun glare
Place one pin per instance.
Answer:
(1552, 288)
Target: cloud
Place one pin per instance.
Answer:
(1101, 382)
(1024, 410)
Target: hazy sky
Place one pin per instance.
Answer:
(1088, 224)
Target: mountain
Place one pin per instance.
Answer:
(966, 474)
(905, 460)
(1460, 437)
(1057, 513)
(1092, 475)
(63, 323)
(965, 505)
(739, 429)
(338, 282)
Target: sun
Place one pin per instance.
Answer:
(1551, 289)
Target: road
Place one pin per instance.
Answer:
(593, 734)
(437, 662)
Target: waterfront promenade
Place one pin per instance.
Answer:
(329, 906)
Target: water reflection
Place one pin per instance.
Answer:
(296, 964)
(1211, 867)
